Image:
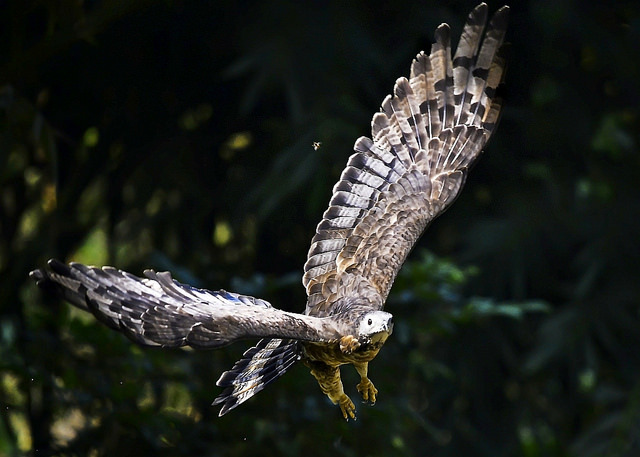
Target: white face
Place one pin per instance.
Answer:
(376, 322)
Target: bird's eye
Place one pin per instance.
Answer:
(370, 322)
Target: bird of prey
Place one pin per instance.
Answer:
(424, 140)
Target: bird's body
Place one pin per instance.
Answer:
(334, 355)
(427, 135)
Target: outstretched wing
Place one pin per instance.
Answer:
(425, 138)
(159, 311)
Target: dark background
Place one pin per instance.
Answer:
(177, 135)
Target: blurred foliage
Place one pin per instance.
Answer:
(178, 135)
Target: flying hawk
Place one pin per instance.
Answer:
(425, 138)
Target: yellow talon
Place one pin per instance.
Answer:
(348, 344)
(347, 407)
(367, 390)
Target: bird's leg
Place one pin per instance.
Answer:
(328, 378)
(365, 386)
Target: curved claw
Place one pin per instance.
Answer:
(367, 390)
(347, 407)
(348, 344)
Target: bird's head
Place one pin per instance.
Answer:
(375, 326)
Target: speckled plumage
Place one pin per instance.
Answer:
(424, 139)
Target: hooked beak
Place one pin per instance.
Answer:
(389, 327)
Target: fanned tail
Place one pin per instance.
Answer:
(258, 367)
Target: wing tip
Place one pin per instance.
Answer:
(37, 274)
(443, 34)
(478, 15)
(42, 276)
(500, 18)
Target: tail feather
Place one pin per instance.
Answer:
(259, 366)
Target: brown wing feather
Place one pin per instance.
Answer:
(379, 245)
(159, 311)
(428, 133)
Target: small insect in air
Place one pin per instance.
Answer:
(316, 145)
